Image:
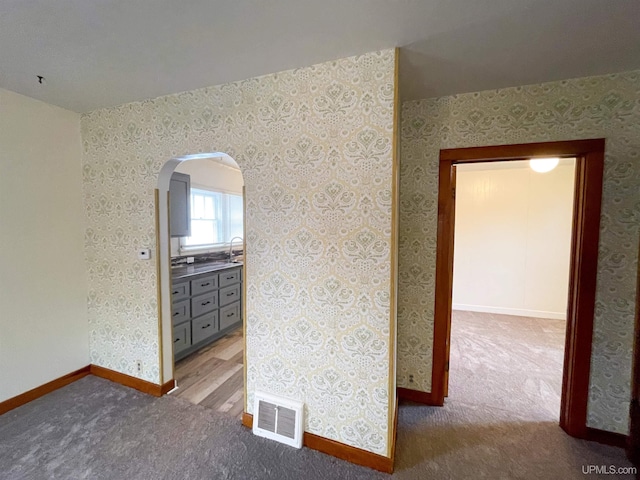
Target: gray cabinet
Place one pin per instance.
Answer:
(181, 338)
(204, 284)
(180, 205)
(204, 327)
(180, 291)
(180, 311)
(229, 278)
(205, 307)
(204, 303)
(229, 315)
(229, 294)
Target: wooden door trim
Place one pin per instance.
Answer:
(589, 156)
(633, 445)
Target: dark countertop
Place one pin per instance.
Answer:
(184, 271)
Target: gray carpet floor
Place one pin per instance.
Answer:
(95, 429)
(508, 363)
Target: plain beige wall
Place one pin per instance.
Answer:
(513, 239)
(43, 294)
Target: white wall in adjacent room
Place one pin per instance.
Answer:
(513, 239)
(211, 175)
(43, 286)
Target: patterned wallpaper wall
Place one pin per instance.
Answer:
(604, 106)
(314, 146)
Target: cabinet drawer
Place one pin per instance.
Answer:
(180, 311)
(181, 337)
(204, 284)
(229, 278)
(204, 303)
(205, 326)
(229, 315)
(229, 294)
(180, 291)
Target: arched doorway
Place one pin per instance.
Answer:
(213, 184)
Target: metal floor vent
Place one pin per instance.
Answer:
(278, 418)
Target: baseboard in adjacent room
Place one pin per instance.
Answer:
(132, 382)
(339, 450)
(42, 390)
(606, 438)
(518, 312)
(416, 396)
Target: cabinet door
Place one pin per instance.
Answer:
(180, 205)
(181, 337)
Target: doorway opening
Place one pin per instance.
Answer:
(202, 280)
(589, 162)
(510, 286)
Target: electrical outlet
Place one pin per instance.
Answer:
(410, 378)
(139, 366)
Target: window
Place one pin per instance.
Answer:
(216, 218)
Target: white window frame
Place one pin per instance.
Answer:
(222, 200)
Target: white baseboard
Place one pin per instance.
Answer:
(519, 312)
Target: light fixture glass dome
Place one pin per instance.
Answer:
(542, 165)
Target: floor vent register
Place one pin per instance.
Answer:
(278, 419)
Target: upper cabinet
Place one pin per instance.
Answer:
(179, 209)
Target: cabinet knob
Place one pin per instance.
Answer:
(207, 326)
(176, 340)
(205, 303)
(230, 315)
(205, 284)
(230, 294)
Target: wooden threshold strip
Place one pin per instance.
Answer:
(339, 450)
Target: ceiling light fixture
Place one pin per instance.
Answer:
(543, 165)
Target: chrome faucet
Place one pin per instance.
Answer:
(231, 247)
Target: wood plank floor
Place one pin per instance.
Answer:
(213, 376)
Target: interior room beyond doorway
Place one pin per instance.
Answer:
(207, 277)
(512, 248)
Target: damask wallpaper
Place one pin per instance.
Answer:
(315, 148)
(604, 106)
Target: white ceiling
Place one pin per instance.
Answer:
(108, 52)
